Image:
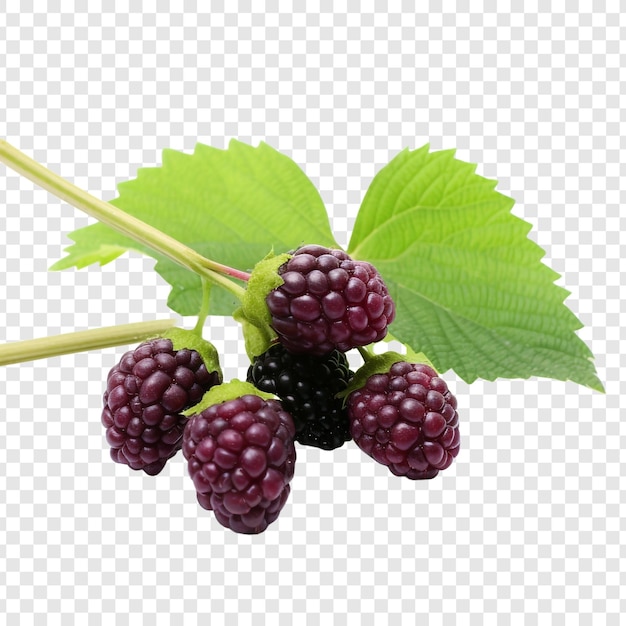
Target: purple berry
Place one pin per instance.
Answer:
(307, 386)
(146, 392)
(328, 301)
(241, 458)
(406, 419)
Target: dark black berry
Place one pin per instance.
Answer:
(307, 386)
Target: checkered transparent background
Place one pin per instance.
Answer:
(526, 526)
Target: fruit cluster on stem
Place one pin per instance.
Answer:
(301, 313)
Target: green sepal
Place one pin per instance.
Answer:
(257, 339)
(380, 364)
(182, 338)
(253, 314)
(225, 392)
(411, 355)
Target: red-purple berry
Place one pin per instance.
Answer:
(241, 458)
(407, 420)
(328, 301)
(146, 392)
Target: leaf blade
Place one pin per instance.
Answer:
(231, 205)
(471, 290)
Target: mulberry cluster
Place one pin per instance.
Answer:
(240, 438)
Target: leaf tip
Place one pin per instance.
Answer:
(61, 264)
(593, 382)
(423, 148)
(598, 386)
(201, 148)
(236, 145)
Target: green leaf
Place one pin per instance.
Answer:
(95, 250)
(229, 205)
(470, 287)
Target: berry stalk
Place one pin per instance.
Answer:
(121, 221)
(204, 307)
(81, 341)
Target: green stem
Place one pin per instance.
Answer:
(81, 341)
(122, 221)
(204, 308)
(365, 353)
